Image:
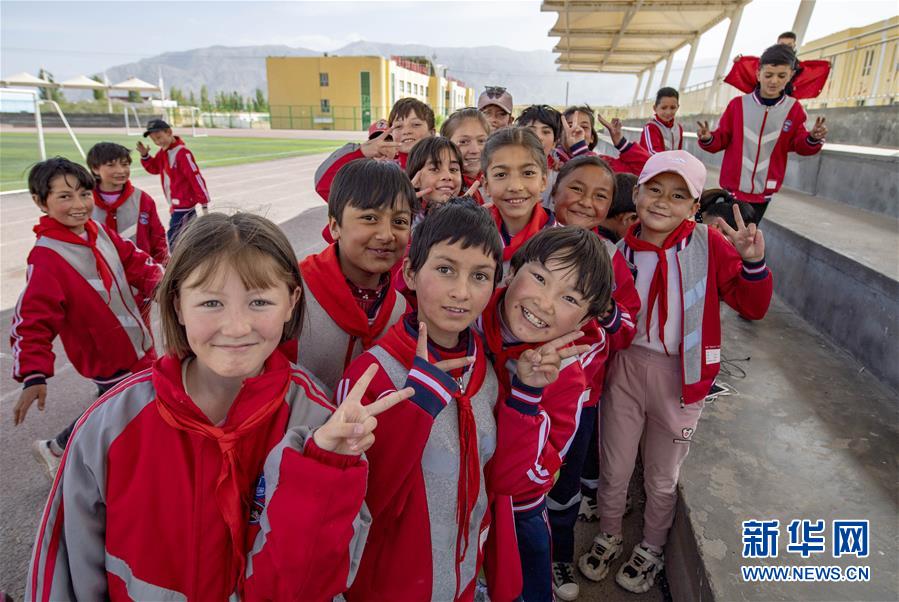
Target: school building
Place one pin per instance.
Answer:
(864, 64)
(351, 92)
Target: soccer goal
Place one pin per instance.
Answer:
(192, 116)
(29, 101)
(128, 128)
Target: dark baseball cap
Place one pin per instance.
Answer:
(156, 125)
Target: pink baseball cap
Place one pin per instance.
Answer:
(680, 162)
(377, 128)
(495, 95)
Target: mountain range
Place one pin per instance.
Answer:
(530, 76)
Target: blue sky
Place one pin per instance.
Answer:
(74, 37)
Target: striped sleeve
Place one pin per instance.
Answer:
(193, 175)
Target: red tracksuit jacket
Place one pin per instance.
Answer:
(133, 216)
(182, 183)
(661, 136)
(102, 333)
(756, 139)
(711, 271)
(136, 512)
(414, 550)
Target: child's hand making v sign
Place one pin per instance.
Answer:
(748, 240)
(540, 367)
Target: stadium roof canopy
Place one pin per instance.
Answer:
(629, 36)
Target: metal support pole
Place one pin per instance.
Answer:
(40, 126)
(883, 50)
(637, 88)
(800, 23)
(667, 70)
(712, 96)
(652, 72)
(688, 68)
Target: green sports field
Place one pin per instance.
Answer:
(18, 151)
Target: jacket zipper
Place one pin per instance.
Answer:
(758, 151)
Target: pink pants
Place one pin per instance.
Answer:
(642, 399)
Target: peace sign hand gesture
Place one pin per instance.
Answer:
(614, 128)
(748, 240)
(350, 429)
(382, 147)
(572, 134)
(819, 131)
(703, 132)
(540, 367)
(421, 351)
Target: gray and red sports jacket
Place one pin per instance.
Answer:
(659, 135)
(182, 182)
(133, 216)
(145, 505)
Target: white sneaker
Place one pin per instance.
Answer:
(595, 564)
(49, 461)
(639, 573)
(564, 585)
(588, 512)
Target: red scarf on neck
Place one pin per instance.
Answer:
(49, 227)
(111, 208)
(323, 276)
(658, 288)
(400, 342)
(662, 121)
(539, 220)
(493, 336)
(180, 412)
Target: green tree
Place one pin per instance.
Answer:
(49, 93)
(205, 105)
(99, 94)
(192, 99)
(260, 104)
(134, 96)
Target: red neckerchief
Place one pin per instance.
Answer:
(322, 274)
(268, 391)
(49, 227)
(467, 181)
(400, 342)
(668, 124)
(658, 289)
(493, 337)
(539, 219)
(402, 158)
(165, 164)
(111, 208)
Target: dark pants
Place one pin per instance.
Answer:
(177, 222)
(534, 548)
(63, 437)
(590, 472)
(564, 500)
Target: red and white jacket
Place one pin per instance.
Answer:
(710, 271)
(153, 502)
(631, 156)
(659, 135)
(133, 216)
(102, 331)
(418, 548)
(756, 139)
(182, 183)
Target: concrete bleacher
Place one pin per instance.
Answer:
(812, 431)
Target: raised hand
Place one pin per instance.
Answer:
(614, 128)
(143, 149)
(748, 240)
(421, 351)
(350, 429)
(703, 132)
(572, 134)
(819, 131)
(473, 189)
(382, 147)
(540, 367)
(27, 397)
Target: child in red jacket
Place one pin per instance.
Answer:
(244, 483)
(663, 132)
(656, 387)
(79, 287)
(579, 138)
(468, 129)
(458, 441)
(182, 183)
(758, 131)
(129, 211)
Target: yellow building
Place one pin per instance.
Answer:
(351, 92)
(864, 65)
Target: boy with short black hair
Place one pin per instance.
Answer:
(129, 211)
(79, 287)
(758, 131)
(560, 281)
(460, 440)
(718, 204)
(182, 182)
(622, 212)
(347, 287)
(787, 38)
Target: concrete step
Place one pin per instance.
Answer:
(838, 267)
(809, 435)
